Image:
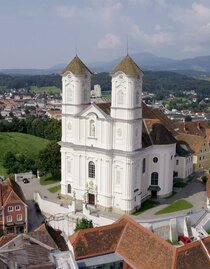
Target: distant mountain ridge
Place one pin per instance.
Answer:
(147, 61)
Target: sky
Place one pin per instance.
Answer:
(44, 33)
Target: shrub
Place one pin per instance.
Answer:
(204, 178)
(84, 224)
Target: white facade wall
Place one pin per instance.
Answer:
(164, 166)
(183, 166)
(112, 143)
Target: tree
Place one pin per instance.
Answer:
(83, 224)
(49, 159)
(204, 178)
(9, 159)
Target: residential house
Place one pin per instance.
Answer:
(54, 114)
(197, 136)
(43, 248)
(13, 208)
(183, 161)
(126, 244)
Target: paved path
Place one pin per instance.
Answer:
(194, 192)
(35, 219)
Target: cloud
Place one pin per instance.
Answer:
(66, 12)
(154, 39)
(193, 49)
(110, 41)
(201, 10)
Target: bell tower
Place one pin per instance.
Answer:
(76, 85)
(126, 105)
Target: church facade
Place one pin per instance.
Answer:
(104, 160)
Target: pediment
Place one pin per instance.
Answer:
(93, 109)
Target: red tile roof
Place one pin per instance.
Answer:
(10, 191)
(139, 247)
(192, 255)
(98, 241)
(195, 142)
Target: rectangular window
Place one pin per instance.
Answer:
(19, 217)
(17, 208)
(144, 166)
(177, 162)
(10, 208)
(9, 218)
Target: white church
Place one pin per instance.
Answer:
(110, 159)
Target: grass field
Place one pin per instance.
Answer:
(55, 189)
(145, 206)
(52, 89)
(20, 143)
(49, 179)
(176, 206)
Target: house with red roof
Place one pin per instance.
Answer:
(13, 208)
(126, 244)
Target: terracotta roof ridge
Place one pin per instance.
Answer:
(136, 224)
(94, 229)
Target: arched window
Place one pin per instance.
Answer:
(91, 169)
(144, 166)
(69, 94)
(69, 188)
(154, 178)
(92, 130)
(120, 97)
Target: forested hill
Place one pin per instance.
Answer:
(156, 82)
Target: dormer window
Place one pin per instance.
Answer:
(92, 130)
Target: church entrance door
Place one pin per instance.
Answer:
(91, 199)
(153, 194)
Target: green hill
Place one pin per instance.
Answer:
(20, 143)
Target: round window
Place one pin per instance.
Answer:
(155, 160)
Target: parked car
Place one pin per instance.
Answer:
(25, 180)
(184, 239)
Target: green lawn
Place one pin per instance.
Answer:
(55, 189)
(20, 143)
(176, 206)
(49, 179)
(51, 89)
(145, 206)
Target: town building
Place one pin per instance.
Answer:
(197, 136)
(44, 248)
(13, 208)
(126, 244)
(110, 159)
